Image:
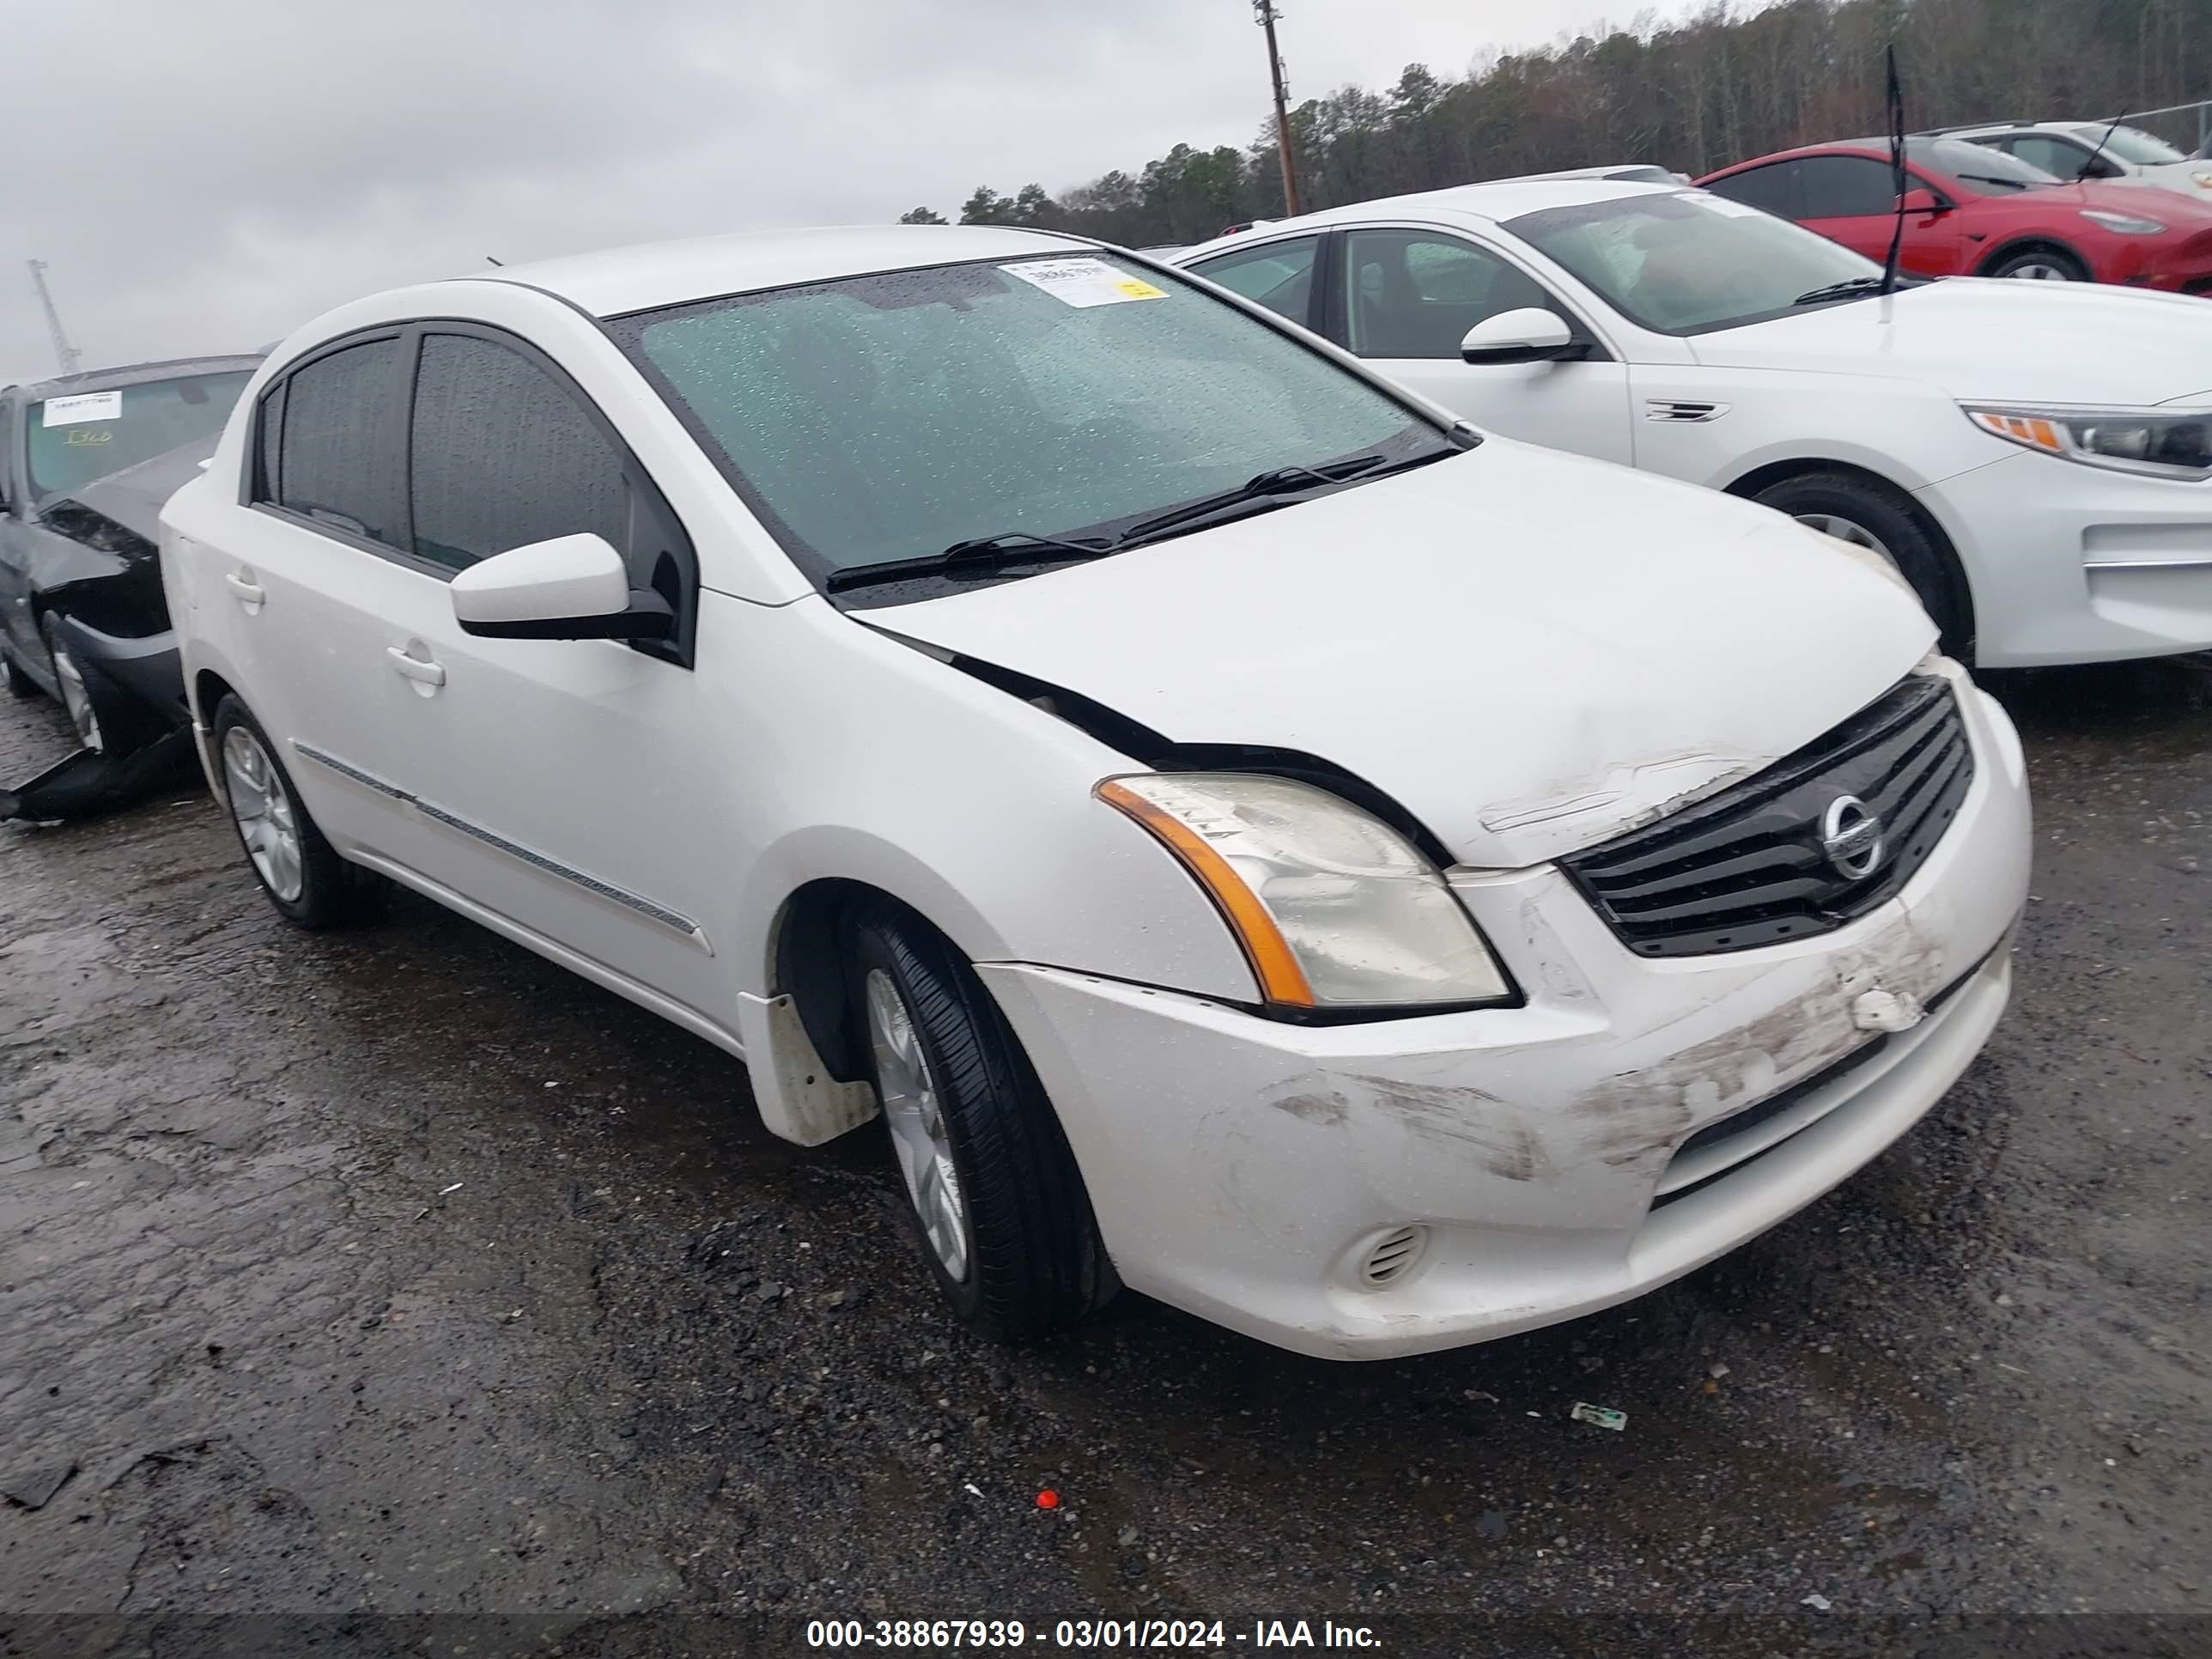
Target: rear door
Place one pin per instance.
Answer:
(1403, 298)
(297, 594)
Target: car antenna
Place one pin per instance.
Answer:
(2099, 150)
(490, 261)
(1893, 97)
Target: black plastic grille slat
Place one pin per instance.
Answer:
(1745, 867)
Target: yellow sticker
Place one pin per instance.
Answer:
(1141, 290)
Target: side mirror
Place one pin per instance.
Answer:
(572, 588)
(1530, 335)
(1922, 200)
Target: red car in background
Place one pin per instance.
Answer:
(1973, 211)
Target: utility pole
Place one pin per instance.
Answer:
(62, 349)
(1265, 10)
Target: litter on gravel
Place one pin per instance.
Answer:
(1599, 1417)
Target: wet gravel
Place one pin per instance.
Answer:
(367, 1277)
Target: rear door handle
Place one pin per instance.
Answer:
(247, 591)
(429, 673)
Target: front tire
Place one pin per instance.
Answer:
(993, 1188)
(2038, 264)
(1871, 514)
(19, 684)
(300, 873)
(76, 691)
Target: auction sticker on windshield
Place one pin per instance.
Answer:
(85, 406)
(1084, 282)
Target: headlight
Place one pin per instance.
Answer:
(1332, 907)
(2165, 443)
(2128, 224)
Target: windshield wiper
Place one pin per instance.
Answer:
(1264, 492)
(1845, 289)
(979, 554)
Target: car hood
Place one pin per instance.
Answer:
(135, 496)
(2053, 342)
(2193, 178)
(1528, 650)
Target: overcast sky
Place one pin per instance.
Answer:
(204, 176)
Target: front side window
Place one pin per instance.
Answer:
(339, 460)
(893, 417)
(1416, 292)
(1845, 187)
(78, 436)
(1279, 275)
(2056, 156)
(501, 456)
(1693, 262)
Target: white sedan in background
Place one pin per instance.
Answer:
(2036, 459)
(1254, 837)
(2096, 149)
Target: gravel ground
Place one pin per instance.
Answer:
(397, 1273)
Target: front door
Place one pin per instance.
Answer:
(564, 778)
(1406, 298)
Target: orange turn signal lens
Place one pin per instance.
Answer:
(2022, 429)
(1282, 981)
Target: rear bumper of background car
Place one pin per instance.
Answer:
(2075, 564)
(1634, 1120)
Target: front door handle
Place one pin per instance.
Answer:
(429, 673)
(248, 592)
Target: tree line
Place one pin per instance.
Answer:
(1724, 84)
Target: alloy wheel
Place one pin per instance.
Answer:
(262, 807)
(1848, 530)
(2040, 271)
(915, 1114)
(75, 697)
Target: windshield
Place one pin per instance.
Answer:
(892, 416)
(84, 435)
(2134, 145)
(1991, 172)
(1690, 262)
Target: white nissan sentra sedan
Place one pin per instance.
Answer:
(1259, 841)
(2035, 457)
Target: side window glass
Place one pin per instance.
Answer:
(1773, 189)
(1279, 275)
(268, 432)
(1415, 293)
(1845, 187)
(339, 460)
(2054, 155)
(502, 456)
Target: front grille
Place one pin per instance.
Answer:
(1746, 868)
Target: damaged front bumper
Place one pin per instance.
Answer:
(1634, 1120)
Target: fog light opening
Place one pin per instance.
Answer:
(1393, 1256)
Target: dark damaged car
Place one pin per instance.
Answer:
(86, 462)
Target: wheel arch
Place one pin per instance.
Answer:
(2035, 241)
(1751, 485)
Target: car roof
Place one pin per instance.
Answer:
(1503, 199)
(650, 274)
(107, 379)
